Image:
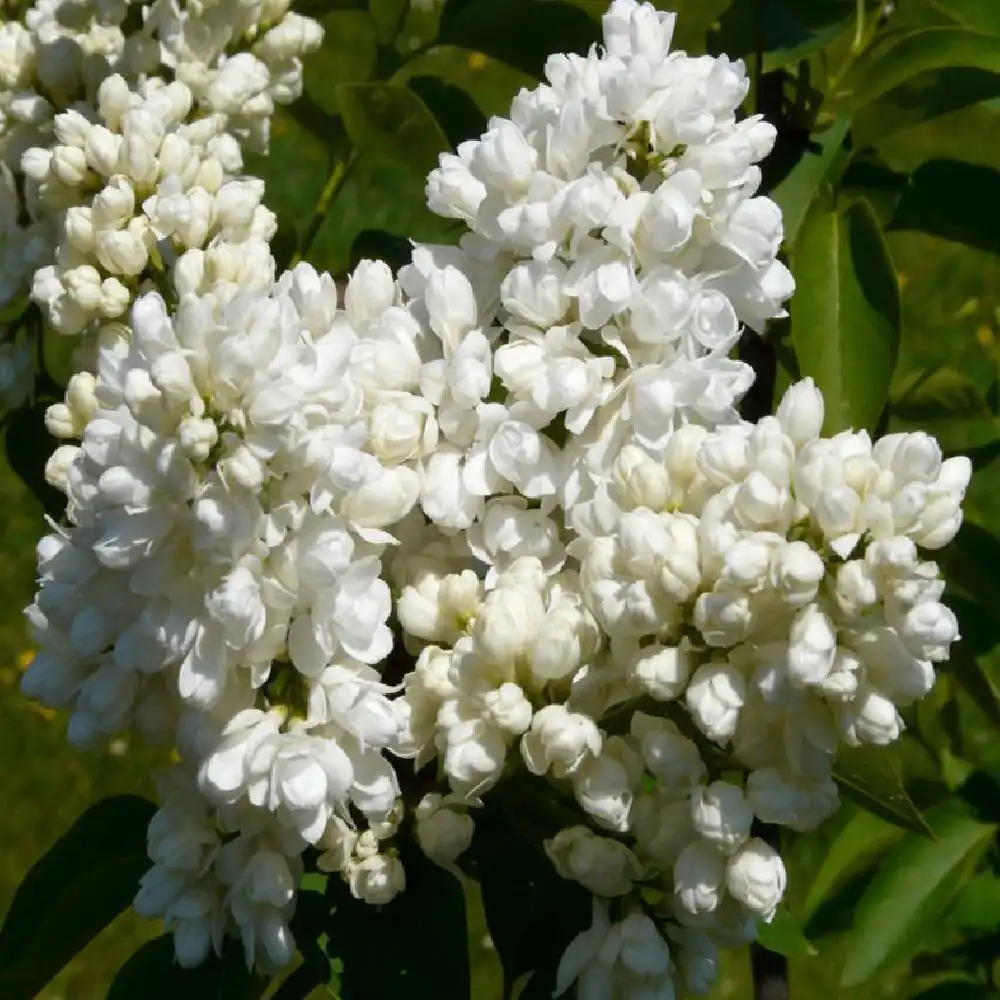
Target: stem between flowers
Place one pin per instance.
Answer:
(340, 172)
(859, 28)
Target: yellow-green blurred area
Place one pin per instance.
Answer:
(951, 312)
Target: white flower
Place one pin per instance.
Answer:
(560, 740)
(801, 412)
(722, 815)
(670, 757)
(605, 867)
(755, 876)
(811, 647)
(714, 697)
(699, 877)
(662, 671)
(605, 784)
(377, 879)
(443, 831)
(628, 959)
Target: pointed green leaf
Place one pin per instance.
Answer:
(946, 197)
(784, 936)
(152, 973)
(845, 312)
(979, 15)
(894, 64)
(870, 777)
(392, 121)
(923, 97)
(820, 162)
(863, 837)
(910, 892)
(89, 876)
(521, 33)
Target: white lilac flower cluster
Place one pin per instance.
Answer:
(498, 517)
(120, 134)
(218, 586)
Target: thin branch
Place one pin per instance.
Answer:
(338, 174)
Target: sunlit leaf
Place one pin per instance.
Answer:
(863, 837)
(891, 65)
(845, 313)
(870, 777)
(820, 162)
(784, 936)
(909, 893)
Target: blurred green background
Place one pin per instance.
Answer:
(951, 310)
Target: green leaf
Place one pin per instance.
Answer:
(894, 64)
(845, 313)
(946, 197)
(29, 446)
(977, 906)
(785, 31)
(73, 892)
(979, 15)
(532, 914)
(521, 33)
(696, 20)
(153, 974)
(388, 17)
(348, 54)
(936, 393)
(924, 97)
(456, 112)
(784, 936)
(392, 121)
(863, 837)
(819, 162)
(870, 777)
(414, 947)
(909, 893)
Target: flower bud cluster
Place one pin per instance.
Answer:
(132, 192)
(107, 170)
